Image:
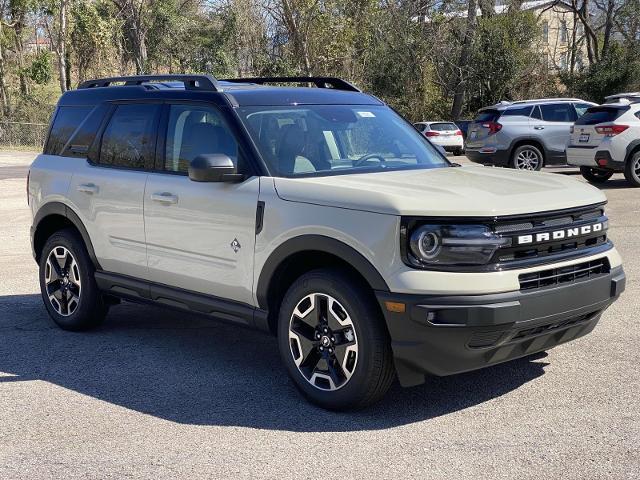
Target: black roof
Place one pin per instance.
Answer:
(237, 92)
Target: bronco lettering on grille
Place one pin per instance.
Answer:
(562, 234)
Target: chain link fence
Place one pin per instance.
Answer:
(22, 135)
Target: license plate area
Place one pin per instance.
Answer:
(584, 137)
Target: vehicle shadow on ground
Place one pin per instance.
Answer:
(197, 371)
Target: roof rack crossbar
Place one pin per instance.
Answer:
(191, 82)
(320, 82)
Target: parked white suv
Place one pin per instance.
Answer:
(606, 139)
(445, 134)
(316, 214)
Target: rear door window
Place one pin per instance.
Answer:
(595, 115)
(129, 139)
(558, 112)
(66, 122)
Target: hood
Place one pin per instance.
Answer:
(459, 192)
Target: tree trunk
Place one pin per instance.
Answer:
(465, 54)
(4, 95)
(19, 45)
(608, 27)
(61, 51)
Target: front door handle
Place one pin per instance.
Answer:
(538, 127)
(164, 197)
(89, 188)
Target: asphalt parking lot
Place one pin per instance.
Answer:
(156, 394)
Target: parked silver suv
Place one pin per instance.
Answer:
(524, 135)
(316, 214)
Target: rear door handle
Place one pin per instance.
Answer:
(89, 188)
(538, 127)
(164, 197)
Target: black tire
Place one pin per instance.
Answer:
(457, 152)
(520, 155)
(89, 310)
(596, 175)
(372, 366)
(632, 170)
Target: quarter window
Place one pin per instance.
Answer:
(196, 130)
(65, 123)
(129, 139)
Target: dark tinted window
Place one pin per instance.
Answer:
(128, 140)
(82, 139)
(196, 130)
(487, 116)
(597, 115)
(66, 121)
(558, 112)
(535, 113)
(443, 127)
(518, 111)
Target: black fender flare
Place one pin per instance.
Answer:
(630, 148)
(320, 243)
(59, 208)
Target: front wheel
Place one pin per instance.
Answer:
(527, 157)
(596, 175)
(68, 287)
(632, 170)
(333, 341)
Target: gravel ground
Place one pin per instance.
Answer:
(155, 394)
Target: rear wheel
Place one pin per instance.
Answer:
(527, 157)
(596, 175)
(632, 170)
(333, 341)
(67, 284)
(458, 152)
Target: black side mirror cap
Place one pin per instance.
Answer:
(216, 167)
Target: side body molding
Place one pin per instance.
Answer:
(318, 243)
(58, 208)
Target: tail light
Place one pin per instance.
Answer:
(431, 133)
(28, 175)
(458, 132)
(611, 130)
(494, 127)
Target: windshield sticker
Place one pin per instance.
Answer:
(366, 114)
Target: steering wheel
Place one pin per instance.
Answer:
(362, 160)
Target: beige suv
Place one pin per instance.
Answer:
(316, 214)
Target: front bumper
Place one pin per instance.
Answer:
(445, 335)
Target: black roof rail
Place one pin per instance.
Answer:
(191, 82)
(320, 82)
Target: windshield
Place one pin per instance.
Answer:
(313, 140)
(443, 127)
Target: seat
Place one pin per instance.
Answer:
(291, 144)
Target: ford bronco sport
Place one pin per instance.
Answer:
(319, 215)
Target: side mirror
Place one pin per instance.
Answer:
(213, 168)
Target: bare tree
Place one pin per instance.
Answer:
(465, 56)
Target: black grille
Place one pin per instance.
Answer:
(531, 254)
(560, 275)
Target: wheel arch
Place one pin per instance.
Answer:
(632, 148)
(55, 216)
(304, 253)
(519, 142)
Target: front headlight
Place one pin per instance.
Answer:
(432, 245)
